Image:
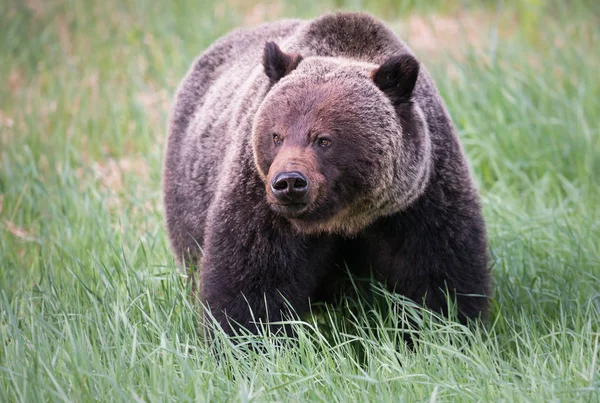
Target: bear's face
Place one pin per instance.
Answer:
(325, 139)
(316, 147)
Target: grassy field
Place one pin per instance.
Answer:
(93, 306)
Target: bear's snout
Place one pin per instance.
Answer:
(290, 188)
(294, 182)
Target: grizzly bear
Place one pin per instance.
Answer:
(300, 147)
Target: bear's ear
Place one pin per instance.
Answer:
(397, 77)
(277, 63)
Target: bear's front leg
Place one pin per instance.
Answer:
(256, 268)
(434, 251)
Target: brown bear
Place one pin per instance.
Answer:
(298, 147)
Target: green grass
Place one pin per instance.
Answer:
(92, 305)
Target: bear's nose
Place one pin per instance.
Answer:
(289, 187)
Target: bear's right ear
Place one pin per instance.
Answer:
(397, 77)
(277, 63)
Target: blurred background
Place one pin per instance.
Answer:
(85, 91)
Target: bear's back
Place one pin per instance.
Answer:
(226, 63)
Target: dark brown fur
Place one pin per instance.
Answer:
(388, 185)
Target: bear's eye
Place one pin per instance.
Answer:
(324, 142)
(277, 139)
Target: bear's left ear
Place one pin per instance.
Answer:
(397, 77)
(278, 63)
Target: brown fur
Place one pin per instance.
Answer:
(345, 106)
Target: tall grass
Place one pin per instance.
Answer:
(93, 307)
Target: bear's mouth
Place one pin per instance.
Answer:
(289, 210)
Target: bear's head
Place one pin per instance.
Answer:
(339, 143)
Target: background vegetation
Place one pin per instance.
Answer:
(93, 307)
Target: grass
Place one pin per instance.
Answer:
(93, 307)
